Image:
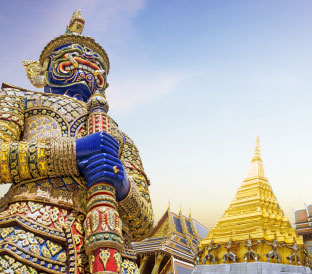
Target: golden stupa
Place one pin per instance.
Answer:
(254, 227)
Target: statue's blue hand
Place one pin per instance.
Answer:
(94, 144)
(97, 158)
(101, 168)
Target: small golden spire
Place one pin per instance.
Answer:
(76, 23)
(257, 155)
(256, 167)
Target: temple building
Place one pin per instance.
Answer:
(253, 229)
(172, 246)
(303, 225)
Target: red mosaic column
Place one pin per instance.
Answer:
(103, 225)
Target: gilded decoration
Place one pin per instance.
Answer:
(171, 245)
(253, 228)
(53, 220)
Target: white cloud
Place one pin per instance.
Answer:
(109, 22)
(127, 93)
(106, 14)
(106, 20)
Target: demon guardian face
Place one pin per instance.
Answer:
(71, 64)
(75, 71)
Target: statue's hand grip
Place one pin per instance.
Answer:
(97, 158)
(109, 169)
(94, 144)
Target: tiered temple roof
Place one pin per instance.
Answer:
(303, 220)
(172, 245)
(303, 225)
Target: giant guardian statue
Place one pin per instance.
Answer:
(79, 194)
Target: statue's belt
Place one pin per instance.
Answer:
(62, 198)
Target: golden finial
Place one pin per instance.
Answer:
(256, 167)
(76, 23)
(168, 209)
(257, 155)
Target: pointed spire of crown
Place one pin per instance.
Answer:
(76, 23)
(256, 167)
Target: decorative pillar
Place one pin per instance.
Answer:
(103, 225)
(158, 259)
(143, 261)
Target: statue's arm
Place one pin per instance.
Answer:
(19, 160)
(136, 208)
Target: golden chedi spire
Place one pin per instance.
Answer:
(255, 215)
(256, 167)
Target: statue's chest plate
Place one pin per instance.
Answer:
(51, 116)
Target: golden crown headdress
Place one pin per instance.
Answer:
(35, 69)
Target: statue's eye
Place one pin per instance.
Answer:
(75, 54)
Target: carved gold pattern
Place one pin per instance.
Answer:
(91, 263)
(7, 263)
(104, 256)
(40, 128)
(111, 219)
(34, 72)
(53, 247)
(76, 23)
(95, 220)
(129, 267)
(118, 260)
(46, 252)
(75, 199)
(164, 230)
(35, 157)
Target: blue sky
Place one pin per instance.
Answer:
(188, 81)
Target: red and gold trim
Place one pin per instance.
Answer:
(103, 230)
